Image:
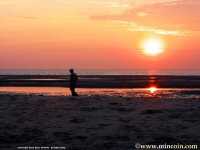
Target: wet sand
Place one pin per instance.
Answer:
(97, 121)
(102, 81)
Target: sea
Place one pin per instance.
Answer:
(186, 72)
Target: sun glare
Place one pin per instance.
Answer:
(153, 47)
(153, 89)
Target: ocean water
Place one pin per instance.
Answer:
(101, 72)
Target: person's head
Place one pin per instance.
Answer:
(71, 70)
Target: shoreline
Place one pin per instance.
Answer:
(192, 93)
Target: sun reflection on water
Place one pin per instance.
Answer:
(153, 89)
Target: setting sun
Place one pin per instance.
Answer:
(153, 47)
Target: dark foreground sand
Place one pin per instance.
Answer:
(96, 122)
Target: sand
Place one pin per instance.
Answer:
(96, 121)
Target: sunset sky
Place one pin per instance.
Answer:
(99, 34)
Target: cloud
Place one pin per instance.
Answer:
(165, 17)
(132, 26)
(141, 14)
(158, 31)
(118, 5)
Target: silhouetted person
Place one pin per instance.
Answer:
(73, 81)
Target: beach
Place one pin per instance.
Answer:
(112, 112)
(97, 120)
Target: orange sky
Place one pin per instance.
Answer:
(98, 34)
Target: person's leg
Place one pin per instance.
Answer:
(72, 88)
(72, 91)
(75, 94)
